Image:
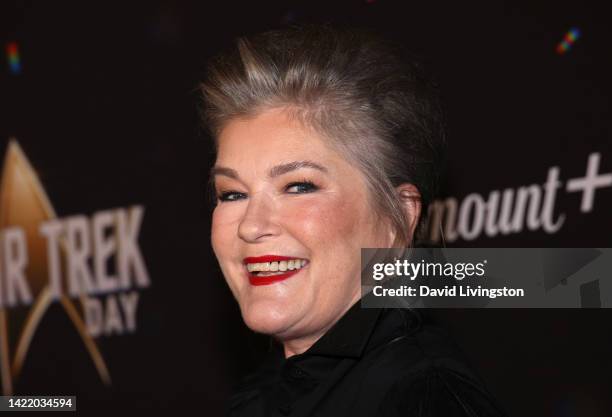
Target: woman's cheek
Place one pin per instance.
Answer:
(323, 215)
(227, 214)
(223, 241)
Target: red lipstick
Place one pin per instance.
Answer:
(266, 258)
(270, 279)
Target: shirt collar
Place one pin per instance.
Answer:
(358, 330)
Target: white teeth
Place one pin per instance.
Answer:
(276, 266)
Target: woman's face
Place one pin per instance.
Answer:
(282, 194)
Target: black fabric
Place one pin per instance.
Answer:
(373, 362)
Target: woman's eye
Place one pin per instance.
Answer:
(301, 187)
(230, 196)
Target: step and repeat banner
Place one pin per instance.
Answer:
(109, 290)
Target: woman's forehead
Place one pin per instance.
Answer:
(273, 138)
(270, 128)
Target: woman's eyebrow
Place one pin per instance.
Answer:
(292, 166)
(275, 171)
(228, 172)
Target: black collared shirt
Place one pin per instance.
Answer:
(372, 362)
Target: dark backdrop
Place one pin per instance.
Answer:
(104, 106)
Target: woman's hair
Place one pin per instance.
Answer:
(374, 106)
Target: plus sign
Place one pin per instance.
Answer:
(589, 183)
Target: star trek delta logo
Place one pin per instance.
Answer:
(91, 265)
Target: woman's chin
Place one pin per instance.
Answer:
(269, 317)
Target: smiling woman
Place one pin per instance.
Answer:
(326, 142)
(290, 195)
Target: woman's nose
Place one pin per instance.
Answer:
(258, 222)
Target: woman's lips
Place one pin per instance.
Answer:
(270, 279)
(266, 258)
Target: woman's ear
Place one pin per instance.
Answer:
(410, 198)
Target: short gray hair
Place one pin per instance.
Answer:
(377, 108)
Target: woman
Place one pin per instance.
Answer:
(327, 142)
